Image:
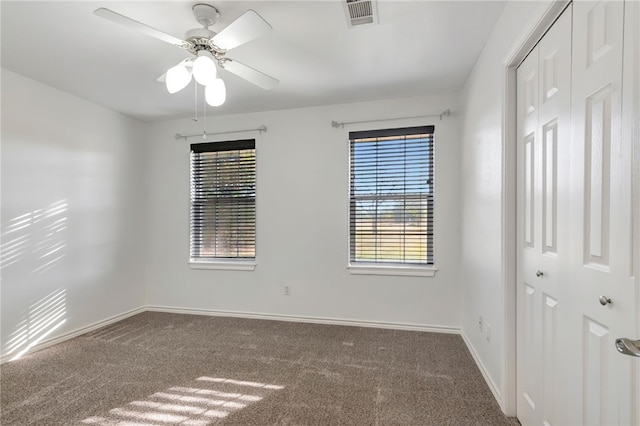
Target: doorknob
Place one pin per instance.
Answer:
(628, 346)
(604, 300)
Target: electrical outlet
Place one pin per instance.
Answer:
(480, 322)
(488, 332)
(287, 290)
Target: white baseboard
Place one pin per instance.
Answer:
(252, 315)
(492, 386)
(307, 319)
(77, 332)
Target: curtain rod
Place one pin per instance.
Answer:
(204, 134)
(336, 124)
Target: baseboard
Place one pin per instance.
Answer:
(77, 332)
(237, 314)
(307, 319)
(492, 386)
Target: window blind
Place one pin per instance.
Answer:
(392, 196)
(223, 200)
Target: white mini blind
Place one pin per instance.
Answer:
(392, 196)
(223, 200)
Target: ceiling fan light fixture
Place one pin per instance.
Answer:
(178, 77)
(204, 68)
(215, 93)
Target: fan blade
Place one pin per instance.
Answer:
(247, 27)
(112, 16)
(253, 76)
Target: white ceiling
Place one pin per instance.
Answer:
(415, 48)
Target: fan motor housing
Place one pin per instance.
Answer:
(198, 33)
(200, 39)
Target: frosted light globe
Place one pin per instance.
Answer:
(204, 69)
(215, 93)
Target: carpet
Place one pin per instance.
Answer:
(157, 369)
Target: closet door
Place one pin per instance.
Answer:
(577, 257)
(603, 297)
(543, 114)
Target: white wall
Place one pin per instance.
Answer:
(482, 282)
(302, 220)
(72, 198)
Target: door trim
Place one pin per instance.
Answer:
(518, 53)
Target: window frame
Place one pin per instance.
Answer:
(222, 263)
(427, 269)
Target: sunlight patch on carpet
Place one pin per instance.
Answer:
(208, 400)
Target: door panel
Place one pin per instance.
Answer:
(550, 187)
(543, 83)
(597, 178)
(600, 206)
(528, 319)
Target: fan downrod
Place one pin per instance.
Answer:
(205, 14)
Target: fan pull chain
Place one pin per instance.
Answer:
(204, 118)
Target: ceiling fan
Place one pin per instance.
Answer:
(208, 47)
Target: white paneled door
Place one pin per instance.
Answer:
(601, 263)
(576, 287)
(544, 135)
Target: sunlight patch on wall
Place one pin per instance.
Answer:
(15, 239)
(40, 320)
(40, 234)
(49, 249)
(197, 405)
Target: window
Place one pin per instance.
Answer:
(392, 197)
(223, 201)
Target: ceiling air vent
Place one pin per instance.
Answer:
(360, 12)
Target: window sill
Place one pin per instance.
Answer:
(223, 265)
(415, 271)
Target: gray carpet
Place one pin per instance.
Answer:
(169, 369)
